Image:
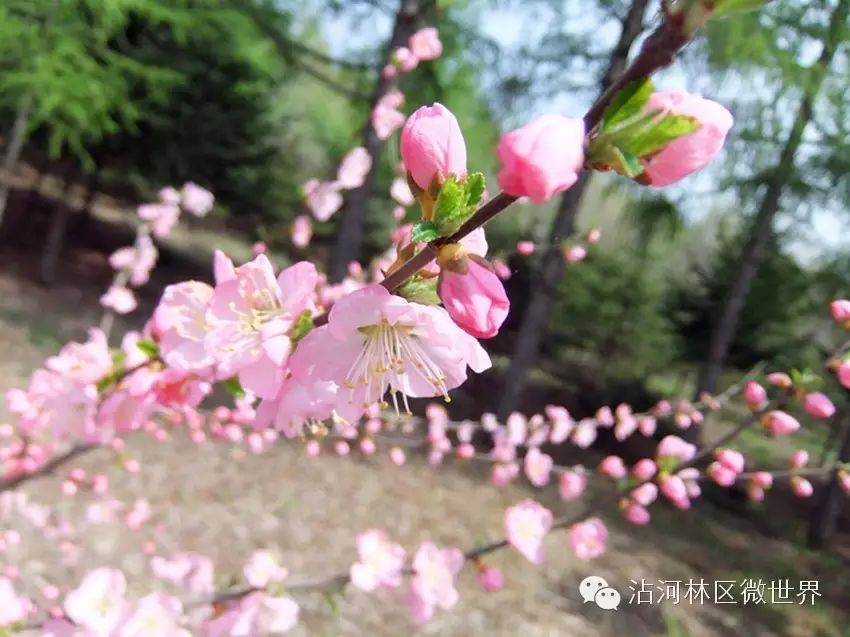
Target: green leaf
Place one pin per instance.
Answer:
(656, 135)
(725, 7)
(425, 231)
(148, 347)
(420, 290)
(450, 202)
(474, 189)
(233, 387)
(627, 103)
(302, 327)
(629, 164)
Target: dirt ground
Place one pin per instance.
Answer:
(219, 500)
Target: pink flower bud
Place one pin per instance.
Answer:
(342, 448)
(690, 153)
(475, 298)
(673, 488)
(313, 448)
(425, 44)
(389, 71)
(843, 373)
(397, 456)
(721, 474)
(798, 459)
(465, 450)
(762, 479)
(432, 145)
(367, 446)
(645, 494)
(675, 447)
(644, 469)
(779, 379)
(755, 394)
(405, 59)
(69, 487)
(613, 467)
(491, 579)
(637, 515)
(571, 484)
(663, 407)
(818, 405)
(731, 459)
(779, 423)
(259, 247)
(593, 236)
(844, 480)
(755, 493)
(801, 487)
(840, 310)
(542, 158)
(574, 254)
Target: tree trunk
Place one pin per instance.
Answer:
(14, 145)
(352, 217)
(535, 319)
(56, 234)
(827, 511)
(762, 229)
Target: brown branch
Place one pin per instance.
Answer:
(48, 467)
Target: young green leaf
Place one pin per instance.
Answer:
(148, 347)
(420, 290)
(425, 231)
(627, 103)
(233, 387)
(657, 134)
(474, 189)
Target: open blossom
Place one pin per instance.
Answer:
(471, 292)
(181, 323)
(191, 571)
(690, 153)
(433, 582)
(196, 200)
(83, 362)
(526, 524)
(154, 614)
(425, 44)
(818, 405)
(380, 562)
(13, 608)
(119, 299)
(255, 615)
(301, 231)
(542, 158)
(374, 342)
(588, 538)
(432, 146)
(262, 569)
(160, 216)
(353, 168)
(400, 192)
(405, 59)
(323, 198)
(137, 260)
(250, 318)
(98, 603)
(300, 405)
(386, 118)
(538, 467)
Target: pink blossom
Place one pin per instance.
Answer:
(323, 198)
(571, 484)
(801, 487)
(181, 321)
(98, 603)
(799, 459)
(542, 158)
(490, 578)
(297, 406)
(432, 146)
(85, 362)
(389, 71)
(501, 269)
(301, 231)
(197, 200)
(400, 191)
(721, 474)
(562, 424)
(594, 236)
(160, 216)
(371, 326)
(119, 299)
(169, 195)
(645, 494)
(754, 394)
(780, 379)
(818, 405)
(763, 479)
(574, 254)
(191, 571)
(223, 268)
(386, 118)
(425, 44)
(644, 469)
(588, 538)
(538, 467)
(250, 318)
(637, 514)
(262, 569)
(731, 459)
(585, 433)
(675, 447)
(605, 417)
(137, 260)
(690, 153)
(844, 480)
(255, 615)
(525, 248)
(613, 467)
(526, 524)
(154, 614)
(405, 59)
(647, 425)
(840, 310)
(13, 608)
(353, 168)
(397, 456)
(380, 562)
(674, 489)
(433, 583)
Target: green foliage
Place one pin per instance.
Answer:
(425, 231)
(420, 290)
(233, 387)
(627, 103)
(456, 202)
